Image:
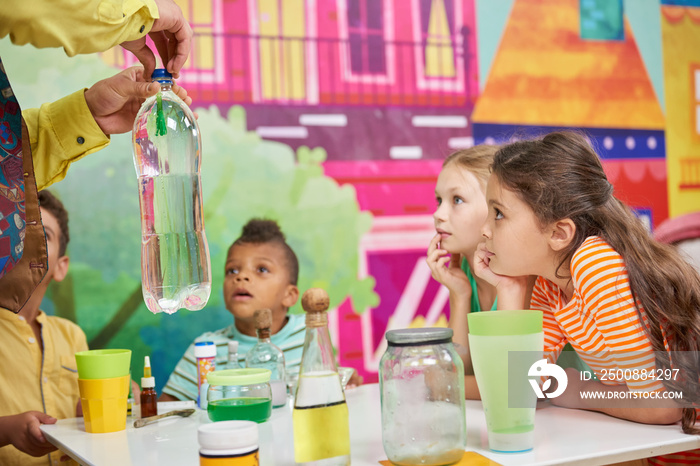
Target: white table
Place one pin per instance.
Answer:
(562, 436)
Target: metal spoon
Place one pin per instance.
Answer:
(147, 420)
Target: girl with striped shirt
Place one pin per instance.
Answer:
(624, 301)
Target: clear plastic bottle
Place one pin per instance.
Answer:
(232, 356)
(320, 416)
(268, 356)
(175, 268)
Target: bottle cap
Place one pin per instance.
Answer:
(147, 367)
(419, 336)
(315, 300)
(228, 435)
(161, 73)
(204, 349)
(263, 319)
(232, 346)
(148, 382)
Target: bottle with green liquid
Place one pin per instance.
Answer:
(320, 416)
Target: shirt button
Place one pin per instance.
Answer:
(20, 317)
(143, 27)
(31, 340)
(81, 140)
(46, 380)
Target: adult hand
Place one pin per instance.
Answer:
(114, 102)
(172, 35)
(22, 431)
(452, 275)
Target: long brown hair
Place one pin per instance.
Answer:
(560, 176)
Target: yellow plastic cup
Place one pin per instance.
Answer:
(104, 403)
(103, 363)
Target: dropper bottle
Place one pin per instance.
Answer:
(149, 397)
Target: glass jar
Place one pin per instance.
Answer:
(239, 395)
(421, 379)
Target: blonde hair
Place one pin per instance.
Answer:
(477, 160)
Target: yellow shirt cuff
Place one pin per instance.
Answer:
(61, 133)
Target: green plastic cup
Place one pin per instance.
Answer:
(492, 335)
(103, 363)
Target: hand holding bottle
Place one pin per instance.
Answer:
(114, 102)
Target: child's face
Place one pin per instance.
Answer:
(256, 277)
(513, 236)
(461, 209)
(58, 266)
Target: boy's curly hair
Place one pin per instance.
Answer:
(51, 204)
(259, 231)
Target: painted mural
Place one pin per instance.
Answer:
(334, 116)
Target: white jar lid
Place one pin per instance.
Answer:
(204, 349)
(228, 435)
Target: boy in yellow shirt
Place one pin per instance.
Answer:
(38, 372)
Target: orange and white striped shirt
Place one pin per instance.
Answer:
(600, 320)
(601, 323)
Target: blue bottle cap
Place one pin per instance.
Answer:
(161, 73)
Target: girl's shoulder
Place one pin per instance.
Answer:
(593, 258)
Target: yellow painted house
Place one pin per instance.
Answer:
(546, 74)
(680, 29)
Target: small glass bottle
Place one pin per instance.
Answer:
(232, 356)
(421, 380)
(320, 416)
(149, 397)
(268, 356)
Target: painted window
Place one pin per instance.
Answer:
(200, 15)
(695, 93)
(601, 20)
(281, 25)
(366, 37)
(439, 35)
(437, 18)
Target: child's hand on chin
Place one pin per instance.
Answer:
(451, 275)
(482, 258)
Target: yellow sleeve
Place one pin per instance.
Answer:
(85, 26)
(61, 133)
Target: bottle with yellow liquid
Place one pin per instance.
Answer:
(321, 425)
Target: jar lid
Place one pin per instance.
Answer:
(228, 435)
(239, 376)
(204, 349)
(505, 323)
(419, 336)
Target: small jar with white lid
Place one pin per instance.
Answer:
(228, 443)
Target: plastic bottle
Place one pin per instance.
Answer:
(268, 356)
(205, 352)
(232, 356)
(320, 416)
(149, 397)
(175, 268)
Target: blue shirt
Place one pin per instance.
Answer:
(182, 383)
